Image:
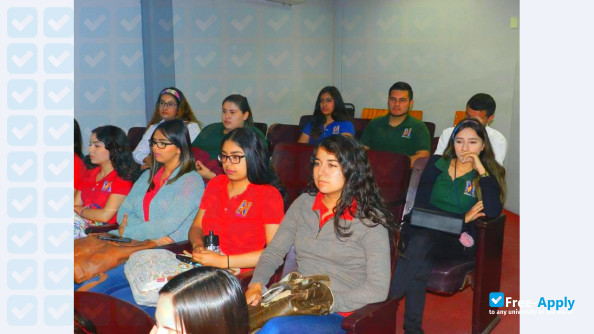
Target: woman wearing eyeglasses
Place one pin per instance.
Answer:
(329, 118)
(236, 113)
(171, 104)
(243, 206)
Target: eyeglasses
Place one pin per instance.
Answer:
(160, 144)
(328, 100)
(167, 104)
(235, 159)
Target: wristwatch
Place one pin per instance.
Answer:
(485, 174)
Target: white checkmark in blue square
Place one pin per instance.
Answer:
(166, 58)
(94, 57)
(22, 22)
(22, 58)
(21, 310)
(94, 94)
(21, 238)
(94, 22)
(58, 130)
(21, 274)
(21, 130)
(21, 202)
(129, 58)
(129, 22)
(58, 238)
(496, 299)
(21, 166)
(22, 94)
(130, 94)
(58, 310)
(57, 274)
(58, 58)
(57, 166)
(58, 94)
(58, 22)
(57, 202)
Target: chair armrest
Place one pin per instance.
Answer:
(101, 229)
(177, 247)
(373, 318)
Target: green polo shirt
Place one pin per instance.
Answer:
(407, 138)
(456, 196)
(211, 137)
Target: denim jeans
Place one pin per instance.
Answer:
(329, 324)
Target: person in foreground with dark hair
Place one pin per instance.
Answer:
(329, 118)
(481, 107)
(202, 300)
(243, 206)
(399, 132)
(340, 227)
(467, 181)
(101, 190)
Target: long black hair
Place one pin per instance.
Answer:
(208, 300)
(120, 154)
(256, 156)
(177, 133)
(77, 140)
(338, 114)
(359, 185)
(487, 155)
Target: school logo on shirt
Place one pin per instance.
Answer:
(335, 129)
(106, 188)
(406, 133)
(243, 208)
(469, 188)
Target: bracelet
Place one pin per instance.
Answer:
(485, 174)
(228, 262)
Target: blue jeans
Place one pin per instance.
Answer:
(116, 279)
(329, 324)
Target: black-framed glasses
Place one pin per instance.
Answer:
(160, 144)
(164, 104)
(234, 158)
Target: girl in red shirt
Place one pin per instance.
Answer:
(243, 206)
(101, 190)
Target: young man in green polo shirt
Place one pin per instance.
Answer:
(399, 132)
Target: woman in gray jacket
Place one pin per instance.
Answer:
(340, 227)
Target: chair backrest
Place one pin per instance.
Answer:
(360, 124)
(261, 126)
(291, 162)
(460, 115)
(303, 120)
(135, 135)
(371, 113)
(391, 172)
(431, 128)
(350, 109)
(111, 315)
(418, 114)
(282, 133)
(413, 183)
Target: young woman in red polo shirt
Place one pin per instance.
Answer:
(101, 190)
(243, 206)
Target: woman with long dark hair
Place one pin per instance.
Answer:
(171, 104)
(101, 190)
(329, 118)
(340, 227)
(466, 181)
(242, 206)
(202, 300)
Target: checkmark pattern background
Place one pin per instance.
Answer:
(36, 166)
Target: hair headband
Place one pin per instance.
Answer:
(457, 128)
(172, 92)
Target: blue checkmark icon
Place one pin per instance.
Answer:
(496, 299)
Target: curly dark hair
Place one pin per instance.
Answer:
(120, 154)
(338, 114)
(359, 185)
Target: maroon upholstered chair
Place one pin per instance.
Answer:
(291, 162)
(111, 315)
(262, 127)
(282, 133)
(431, 128)
(135, 135)
(434, 142)
(391, 173)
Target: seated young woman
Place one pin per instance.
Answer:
(202, 300)
(100, 191)
(467, 181)
(329, 118)
(340, 227)
(243, 206)
(236, 113)
(171, 104)
(163, 201)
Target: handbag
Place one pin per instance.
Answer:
(293, 295)
(93, 257)
(436, 220)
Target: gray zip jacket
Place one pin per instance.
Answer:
(358, 266)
